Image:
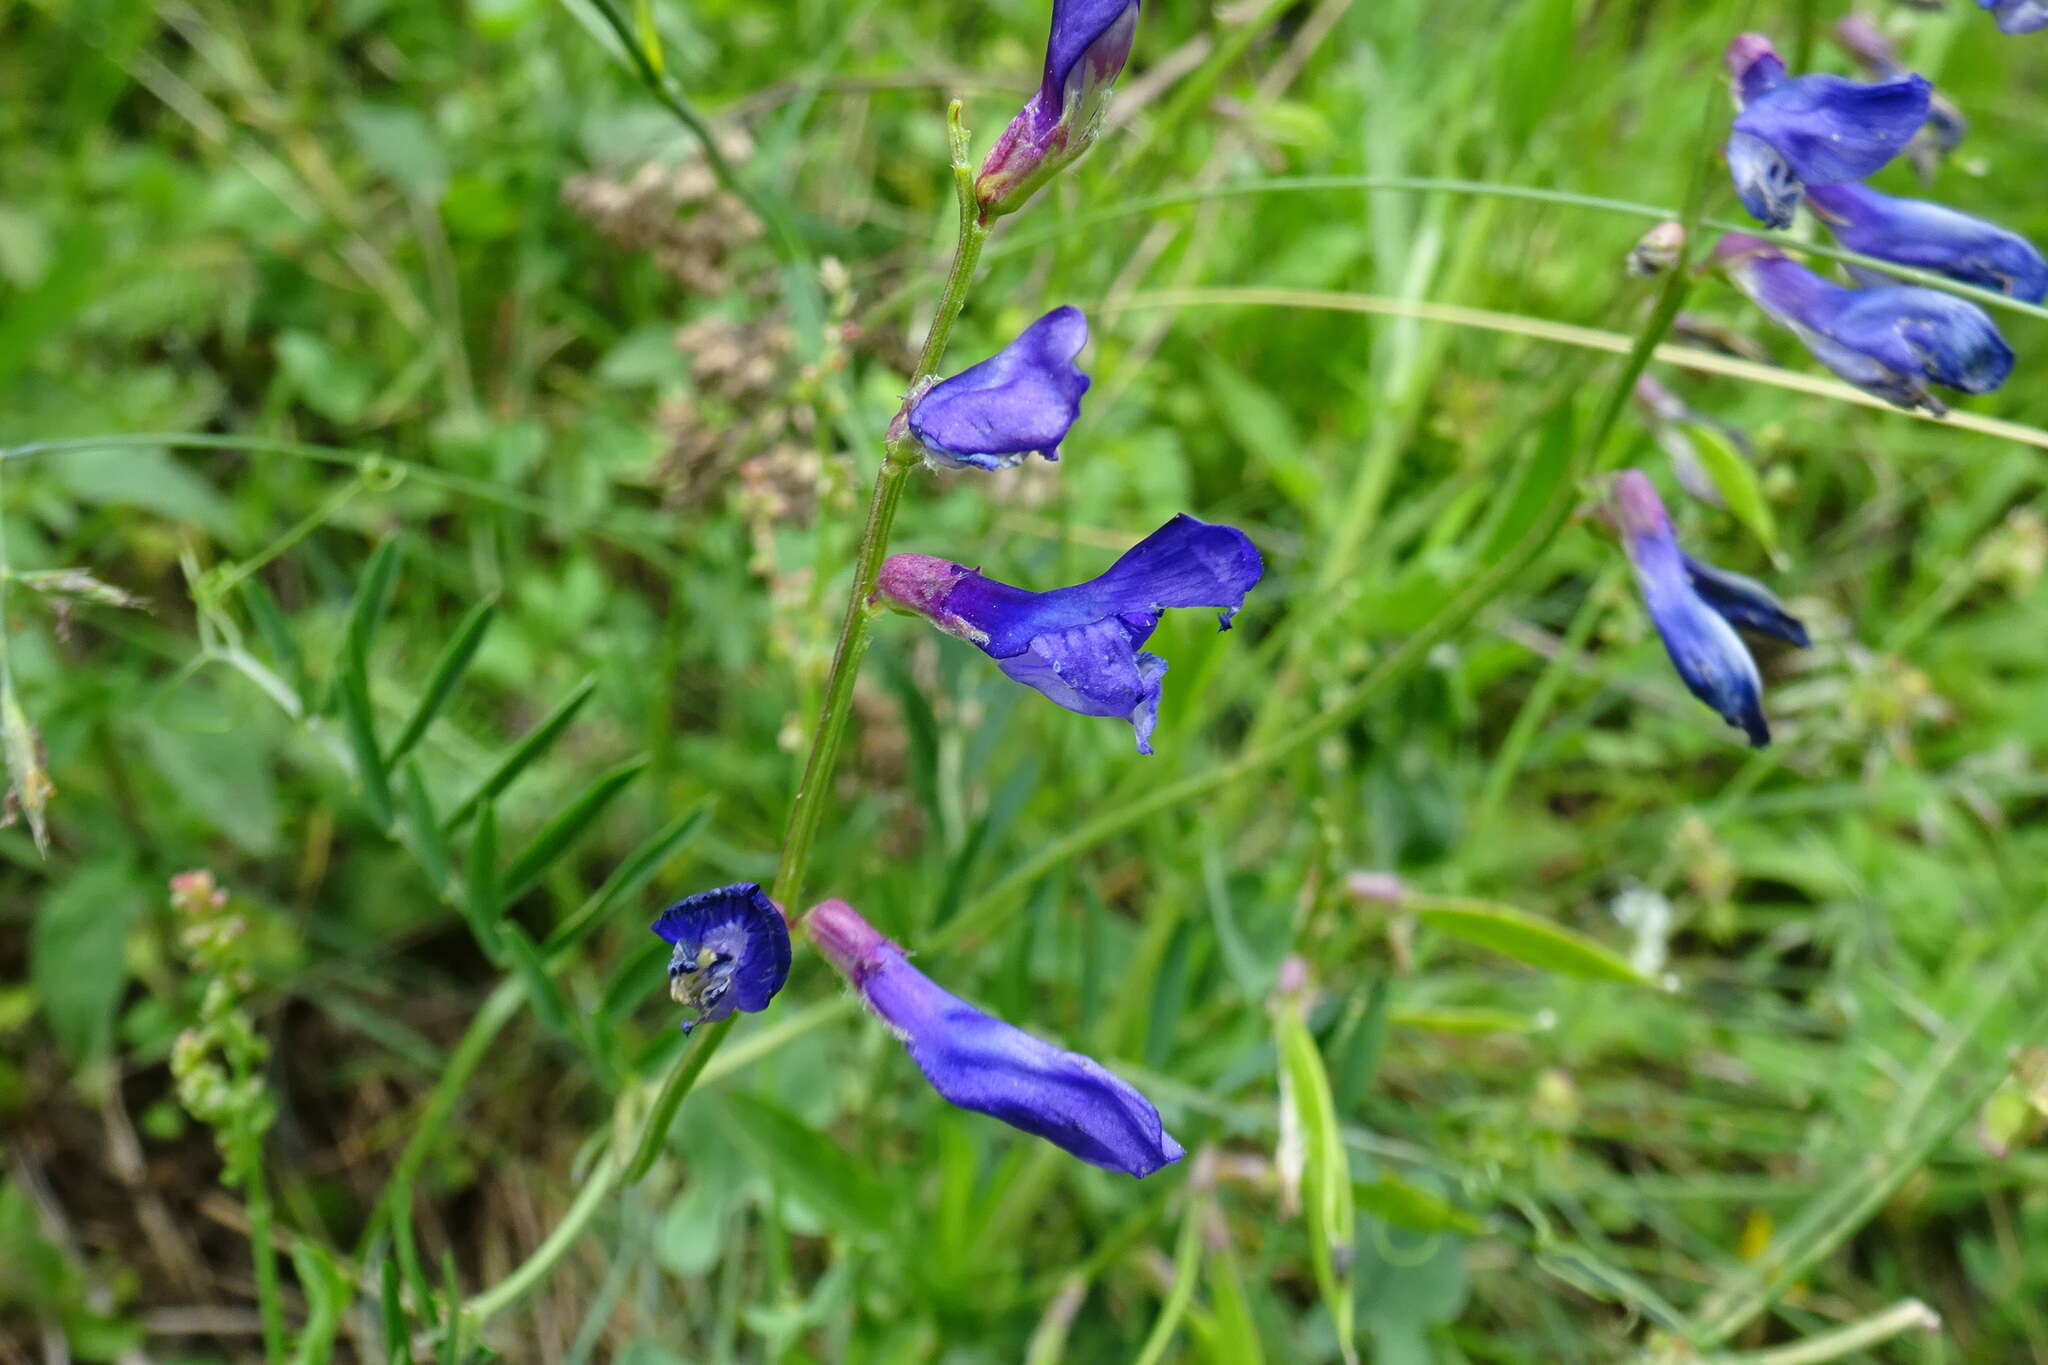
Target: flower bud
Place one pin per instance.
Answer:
(1085, 53)
(1658, 250)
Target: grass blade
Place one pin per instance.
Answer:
(482, 902)
(448, 672)
(527, 752)
(628, 877)
(1526, 938)
(353, 695)
(556, 836)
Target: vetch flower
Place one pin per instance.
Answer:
(1696, 608)
(1942, 133)
(1888, 341)
(1795, 131)
(1080, 646)
(1084, 54)
(978, 1062)
(2018, 16)
(1931, 237)
(1020, 401)
(731, 952)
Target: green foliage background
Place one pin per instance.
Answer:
(322, 324)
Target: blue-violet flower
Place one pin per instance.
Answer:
(1696, 608)
(1020, 401)
(1931, 237)
(2018, 16)
(731, 952)
(1888, 341)
(1080, 645)
(979, 1062)
(1084, 54)
(1795, 131)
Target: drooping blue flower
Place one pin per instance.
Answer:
(731, 952)
(2018, 16)
(1888, 341)
(1084, 54)
(1020, 401)
(978, 1062)
(1080, 646)
(1795, 131)
(1931, 237)
(1696, 608)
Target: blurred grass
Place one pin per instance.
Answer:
(340, 257)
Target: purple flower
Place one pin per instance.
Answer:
(731, 952)
(979, 1062)
(1795, 131)
(1080, 646)
(2018, 16)
(1085, 53)
(1696, 608)
(1914, 232)
(1888, 341)
(1020, 401)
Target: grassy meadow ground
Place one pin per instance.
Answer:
(322, 324)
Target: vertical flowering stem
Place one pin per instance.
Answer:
(898, 458)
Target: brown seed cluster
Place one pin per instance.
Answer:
(677, 212)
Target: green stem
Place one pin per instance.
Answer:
(899, 456)
(535, 1268)
(807, 806)
(1908, 1315)
(269, 1298)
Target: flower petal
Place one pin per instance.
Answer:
(1020, 401)
(1095, 670)
(731, 951)
(2018, 16)
(1744, 601)
(1710, 657)
(1830, 129)
(1932, 237)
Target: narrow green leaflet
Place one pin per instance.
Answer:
(1326, 1193)
(1524, 937)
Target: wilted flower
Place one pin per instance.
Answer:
(2018, 16)
(1942, 133)
(1080, 646)
(1888, 341)
(1696, 608)
(731, 952)
(1931, 237)
(1084, 54)
(1020, 401)
(1796, 131)
(979, 1062)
